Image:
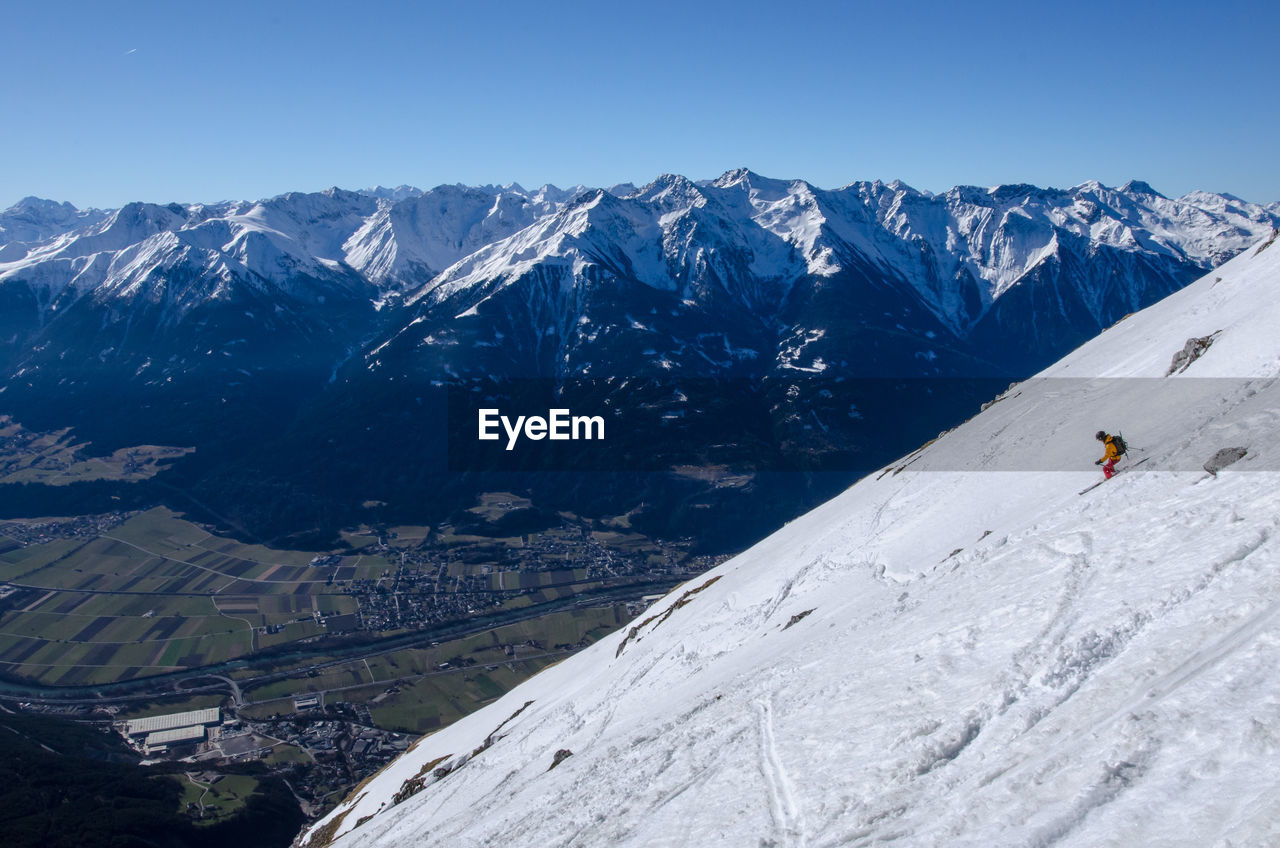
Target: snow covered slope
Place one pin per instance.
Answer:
(960, 650)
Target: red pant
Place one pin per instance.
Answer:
(1108, 469)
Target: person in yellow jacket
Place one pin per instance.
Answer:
(1110, 456)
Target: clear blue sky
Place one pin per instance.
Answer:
(105, 102)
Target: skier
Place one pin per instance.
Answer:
(1113, 453)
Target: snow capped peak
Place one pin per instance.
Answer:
(590, 196)
(1140, 187)
(551, 195)
(732, 177)
(900, 186)
(664, 182)
(400, 192)
(1021, 192)
(670, 191)
(954, 651)
(1088, 186)
(35, 219)
(419, 237)
(126, 226)
(755, 184)
(341, 194)
(40, 204)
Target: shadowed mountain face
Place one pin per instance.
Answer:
(323, 350)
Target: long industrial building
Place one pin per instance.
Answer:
(161, 739)
(172, 721)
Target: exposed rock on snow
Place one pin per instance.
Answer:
(1190, 352)
(1223, 458)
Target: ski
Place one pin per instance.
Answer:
(1117, 471)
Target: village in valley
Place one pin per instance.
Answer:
(238, 662)
(317, 752)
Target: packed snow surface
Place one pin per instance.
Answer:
(970, 655)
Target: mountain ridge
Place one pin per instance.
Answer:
(783, 298)
(404, 239)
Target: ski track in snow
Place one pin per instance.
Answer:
(783, 807)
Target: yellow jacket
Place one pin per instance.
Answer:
(1112, 451)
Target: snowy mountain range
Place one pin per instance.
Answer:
(769, 260)
(332, 318)
(958, 650)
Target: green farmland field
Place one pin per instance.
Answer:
(158, 594)
(151, 593)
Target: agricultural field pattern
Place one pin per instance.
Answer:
(107, 599)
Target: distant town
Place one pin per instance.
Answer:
(442, 577)
(324, 747)
(102, 592)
